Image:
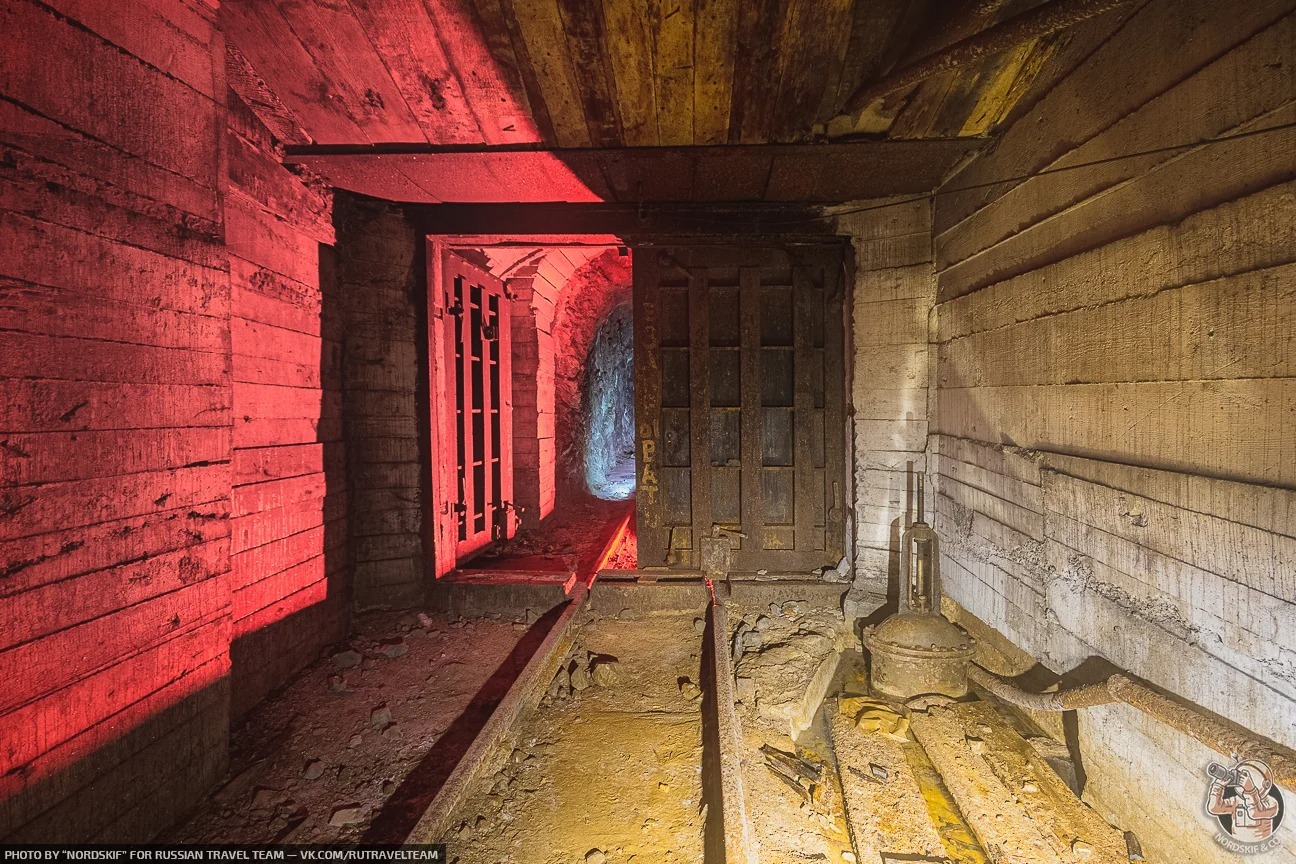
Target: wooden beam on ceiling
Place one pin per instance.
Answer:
(1036, 23)
(827, 173)
(630, 224)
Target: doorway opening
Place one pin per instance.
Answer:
(533, 403)
(608, 409)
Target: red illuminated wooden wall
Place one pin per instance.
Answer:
(288, 517)
(377, 250)
(115, 403)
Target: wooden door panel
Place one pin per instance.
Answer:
(739, 373)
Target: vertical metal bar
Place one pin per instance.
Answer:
(506, 403)
(836, 469)
(803, 295)
(700, 407)
(649, 506)
(750, 418)
(489, 417)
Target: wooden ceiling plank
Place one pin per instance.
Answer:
(629, 32)
(916, 119)
(342, 51)
(812, 47)
(802, 173)
(714, 44)
(1047, 18)
(259, 100)
(487, 52)
(541, 27)
(873, 29)
(277, 55)
(759, 25)
(588, 48)
(674, 71)
(409, 46)
(993, 99)
(1054, 58)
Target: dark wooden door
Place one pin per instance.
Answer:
(740, 405)
(478, 346)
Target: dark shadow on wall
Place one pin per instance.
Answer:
(384, 406)
(268, 658)
(167, 756)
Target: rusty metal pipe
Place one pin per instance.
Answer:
(1179, 716)
(1036, 23)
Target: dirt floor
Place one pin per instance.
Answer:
(347, 750)
(602, 772)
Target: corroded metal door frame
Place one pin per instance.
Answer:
(740, 405)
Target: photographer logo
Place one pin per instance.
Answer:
(1247, 805)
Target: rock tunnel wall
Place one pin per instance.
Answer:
(587, 299)
(1114, 414)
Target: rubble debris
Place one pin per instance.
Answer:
(265, 798)
(1133, 847)
(605, 670)
(802, 776)
(314, 769)
(393, 648)
(347, 814)
(347, 659)
(873, 715)
(689, 690)
(380, 717)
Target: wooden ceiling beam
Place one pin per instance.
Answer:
(1036, 23)
(794, 173)
(624, 222)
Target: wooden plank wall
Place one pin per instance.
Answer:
(115, 382)
(376, 252)
(893, 295)
(1115, 414)
(288, 523)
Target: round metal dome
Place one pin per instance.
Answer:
(912, 654)
(928, 634)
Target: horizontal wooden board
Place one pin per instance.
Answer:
(1163, 43)
(1228, 429)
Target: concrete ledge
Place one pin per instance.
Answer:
(816, 593)
(486, 750)
(478, 598)
(613, 598)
